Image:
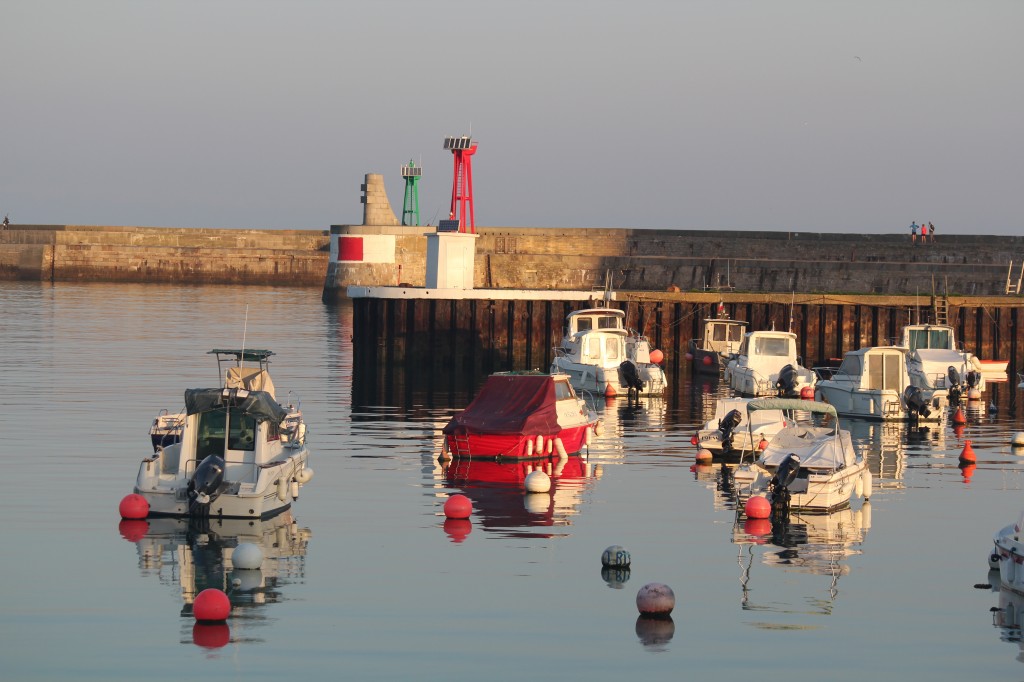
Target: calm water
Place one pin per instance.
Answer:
(368, 581)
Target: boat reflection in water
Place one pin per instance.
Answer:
(501, 503)
(196, 556)
(1009, 616)
(815, 544)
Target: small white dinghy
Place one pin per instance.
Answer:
(240, 454)
(804, 467)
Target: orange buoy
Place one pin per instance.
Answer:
(609, 391)
(807, 393)
(707, 360)
(657, 356)
(758, 507)
(763, 444)
(958, 417)
(694, 440)
(967, 454)
(967, 470)
(704, 455)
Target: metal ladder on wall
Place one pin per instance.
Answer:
(1011, 286)
(940, 305)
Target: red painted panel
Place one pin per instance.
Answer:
(350, 248)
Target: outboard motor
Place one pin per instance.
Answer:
(206, 485)
(915, 401)
(786, 383)
(727, 425)
(630, 376)
(778, 487)
(955, 385)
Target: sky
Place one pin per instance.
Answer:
(705, 115)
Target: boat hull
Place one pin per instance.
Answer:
(607, 381)
(706, 361)
(823, 494)
(1009, 552)
(518, 446)
(879, 405)
(264, 499)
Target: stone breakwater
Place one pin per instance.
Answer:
(151, 254)
(657, 260)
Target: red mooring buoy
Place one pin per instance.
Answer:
(133, 506)
(958, 417)
(967, 454)
(758, 507)
(458, 507)
(211, 606)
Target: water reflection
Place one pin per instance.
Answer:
(193, 557)
(814, 544)
(501, 504)
(1008, 617)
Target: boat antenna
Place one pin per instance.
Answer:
(792, 302)
(245, 328)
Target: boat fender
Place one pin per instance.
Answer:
(1011, 569)
(304, 476)
(866, 476)
(529, 447)
(282, 488)
(539, 449)
(560, 447)
(993, 561)
(294, 489)
(599, 428)
(588, 436)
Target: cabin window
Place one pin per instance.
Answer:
(611, 349)
(851, 366)
(735, 332)
(770, 346)
(928, 338)
(718, 332)
(242, 435)
(210, 440)
(607, 322)
(563, 391)
(745, 346)
(584, 324)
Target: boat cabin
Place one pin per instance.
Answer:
(723, 336)
(600, 319)
(769, 344)
(878, 368)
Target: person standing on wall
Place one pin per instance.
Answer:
(913, 233)
(924, 233)
(931, 232)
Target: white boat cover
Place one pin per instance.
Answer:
(816, 446)
(755, 421)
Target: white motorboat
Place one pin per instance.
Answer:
(600, 356)
(732, 430)
(804, 467)
(1008, 555)
(767, 365)
(933, 361)
(241, 454)
(873, 383)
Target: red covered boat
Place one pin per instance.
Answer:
(521, 415)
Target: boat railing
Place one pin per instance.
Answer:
(559, 352)
(826, 373)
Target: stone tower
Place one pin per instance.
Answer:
(376, 207)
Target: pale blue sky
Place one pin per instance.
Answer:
(809, 116)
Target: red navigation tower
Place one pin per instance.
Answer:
(463, 149)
